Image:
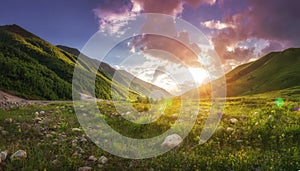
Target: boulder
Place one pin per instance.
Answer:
(8, 120)
(233, 120)
(85, 168)
(229, 129)
(3, 156)
(20, 154)
(172, 141)
(92, 158)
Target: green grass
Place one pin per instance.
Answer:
(266, 137)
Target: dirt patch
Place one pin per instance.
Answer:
(8, 101)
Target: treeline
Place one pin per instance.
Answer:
(28, 78)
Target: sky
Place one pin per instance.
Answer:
(238, 31)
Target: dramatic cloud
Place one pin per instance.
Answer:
(113, 15)
(226, 41)
(170, 7)
(183, 52)
(272, 20)
(275, 20)
(212, 24)
(196, 3)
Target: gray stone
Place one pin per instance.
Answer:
(3, 132)
(56, 162)
(20, 154)
(85, 168)
(37, 120)
(103, 159)
(3, 156)
(229, 129)
(92, 158)
(76, 129)
(172, 141)
(233, 120)
(8, 120)
(239, 141)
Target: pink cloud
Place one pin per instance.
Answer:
(185, 51)
(114, 15)
(272, 20)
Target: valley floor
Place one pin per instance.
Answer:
(262, 137)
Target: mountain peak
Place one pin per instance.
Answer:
(73, 51)
(17, 30)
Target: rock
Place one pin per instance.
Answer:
(3, 156)
(92, 158)
(42, 112)
(229, 129)
(82, 139)
(172, 141)
(3, 132)
(56, 162)
(99, 166)
(80, 150)
(20, 154)
(44, 121)
(103, 159)
(220, 129)
(37, 120)
(36, 113)
(175, 115)
(25, 126)
(74, 143)
(233, 120)
(76, 129)
(37, 131)
(49, 136)
(8, 120)
(239, 141)
(85, 168)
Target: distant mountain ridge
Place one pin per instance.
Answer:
(122, 76)
(33, 68)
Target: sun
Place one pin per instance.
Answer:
(198, 74)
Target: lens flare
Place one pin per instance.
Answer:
(279, 102)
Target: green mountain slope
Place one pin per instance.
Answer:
(275, 71)
(35, 69)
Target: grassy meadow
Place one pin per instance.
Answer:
(265, 137)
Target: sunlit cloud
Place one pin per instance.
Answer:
(212, 24)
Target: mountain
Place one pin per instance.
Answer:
(121, 76)
(33, 68)
(272, 72)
